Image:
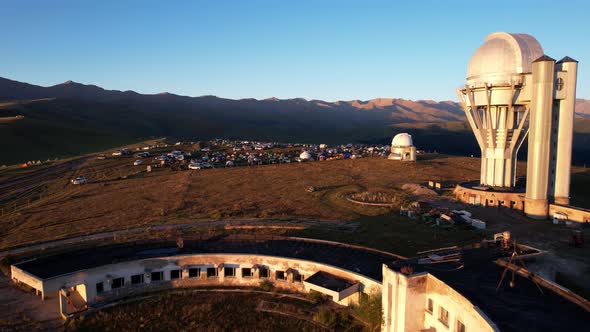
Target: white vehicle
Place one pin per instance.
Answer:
(79, 180)
(195, 166)
(199, 165)
(180, 157)
(137, 162)
(101, 157)
(117, 153)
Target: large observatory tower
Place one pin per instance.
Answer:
(514, 90)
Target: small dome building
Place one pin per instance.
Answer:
(402, 148)
(305, 156)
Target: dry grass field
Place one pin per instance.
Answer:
(122, 196)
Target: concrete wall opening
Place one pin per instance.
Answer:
(194, 272)
(430, 306)
(443, 316)
(157, 276)
(118, 283)
(229, 272)
(175, 274)
(137, 279)
(247, 272)
(72, 300)
(298, 278)
(460, 327)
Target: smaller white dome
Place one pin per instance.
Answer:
(403, 139)
(305, 155)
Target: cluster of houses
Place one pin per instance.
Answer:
(229, 153)
(299, 152)
(223, 152)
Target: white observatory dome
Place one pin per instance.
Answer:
(503, 56)
(403, 139)
(305, 155)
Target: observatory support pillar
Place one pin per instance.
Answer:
(565, 132)
(536, 204)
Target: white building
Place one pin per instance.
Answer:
(415, 295)
(305, 156)
(514, 91)
(402, 148)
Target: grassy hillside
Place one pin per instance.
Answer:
(67, 127)
(61, 127)
(48, 135)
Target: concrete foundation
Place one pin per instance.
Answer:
(562, 200)
(512, 200)
(536, 208)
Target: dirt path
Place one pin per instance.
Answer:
(20, 186)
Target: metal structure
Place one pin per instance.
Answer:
(514, 90)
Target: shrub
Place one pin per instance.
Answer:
(5, 263)
(7, 260)
(216, 214)
(315, 297)
(267, 286)
(326, 316)
(369, 310)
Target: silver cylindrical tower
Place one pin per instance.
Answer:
(565, 128)
(536, 204)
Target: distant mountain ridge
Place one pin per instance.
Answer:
(71, 118)
(399, 110)
(583, 108)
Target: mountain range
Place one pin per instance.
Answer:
(73, 118)
(395, 109)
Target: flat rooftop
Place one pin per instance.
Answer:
(363, 261)
(522, 308)
(330, 281)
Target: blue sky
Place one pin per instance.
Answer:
(331, 50)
